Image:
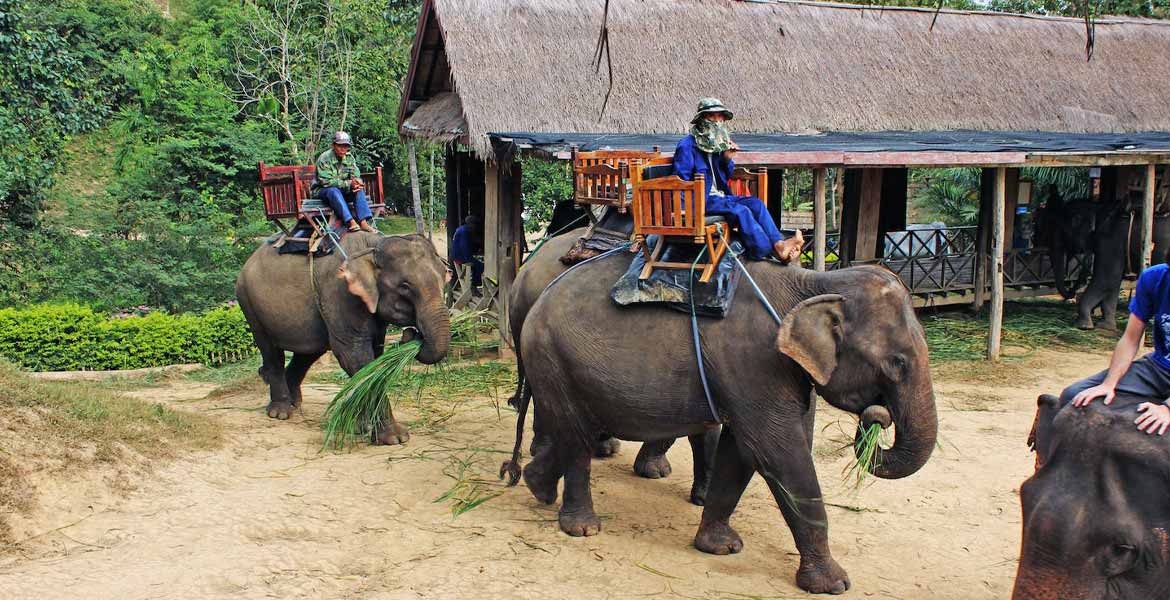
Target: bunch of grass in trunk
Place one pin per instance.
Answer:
(361, 405)
(867, 454)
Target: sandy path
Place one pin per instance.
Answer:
(269, 516)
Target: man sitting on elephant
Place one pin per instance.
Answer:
(1148, 376)
(339, 182)
(709, 151)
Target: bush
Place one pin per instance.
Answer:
(72, 337)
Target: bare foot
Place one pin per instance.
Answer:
(365, 226)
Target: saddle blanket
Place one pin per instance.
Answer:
(673, 286)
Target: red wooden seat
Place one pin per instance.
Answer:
(285, 188)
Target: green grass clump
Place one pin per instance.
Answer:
(867, 454)
(362, 403)
(396, 225)
(1027, 326)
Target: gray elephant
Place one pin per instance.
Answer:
(344, 306)
(850, 334)
(1096, 511)
(542, 268)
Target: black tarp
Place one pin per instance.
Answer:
(884, 141)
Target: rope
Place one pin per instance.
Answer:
(549, 236)
(695, 336)
(759, 293)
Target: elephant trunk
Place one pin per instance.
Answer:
(913, 413)
(1035, 582)
(434, 324)
(1060, 270)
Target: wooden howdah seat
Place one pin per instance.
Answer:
(676, 210)
(602, 178)
(287, 195)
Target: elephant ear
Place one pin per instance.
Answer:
(810, 334)
(361, 279)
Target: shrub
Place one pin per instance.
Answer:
(72, 337)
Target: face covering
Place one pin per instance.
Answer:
(711, 136)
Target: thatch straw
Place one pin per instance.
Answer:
(526, 65)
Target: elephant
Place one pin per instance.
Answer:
(541, 268)
(850, 334)
(309, 306)
(1096, 513)
(1111, 233)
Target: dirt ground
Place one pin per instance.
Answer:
(270, 516)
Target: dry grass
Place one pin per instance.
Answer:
(53, 429)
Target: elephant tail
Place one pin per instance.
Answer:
(520, 401)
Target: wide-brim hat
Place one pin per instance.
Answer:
(711, 105)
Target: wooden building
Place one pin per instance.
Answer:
(873, 91)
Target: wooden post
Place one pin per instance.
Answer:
(1148, 216)
(501, 221)
(431, 200)
(418, 214)
(994, 335)
(982, 237)
(869, 215)
(819, 218)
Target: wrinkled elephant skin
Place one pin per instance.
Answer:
(860, 319)
(1096, 511)
(346, 308)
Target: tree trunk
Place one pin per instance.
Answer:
(418, 214)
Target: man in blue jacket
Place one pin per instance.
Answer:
(709, 150)
(464, 243)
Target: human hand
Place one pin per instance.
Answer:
(1086, 396)
(1153, 417)
(355, 184)
(730, 153)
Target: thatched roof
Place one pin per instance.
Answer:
(525, 65)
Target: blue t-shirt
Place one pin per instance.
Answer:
(1151, 303)
(461, 245)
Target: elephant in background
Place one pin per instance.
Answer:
(542, 268)
(344, 306)
(1111, 233)
(1096, 511)
(851, 334)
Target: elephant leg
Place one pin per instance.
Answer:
(280, 405)
(793, 481)
(389, 431)
(703, 448)
(295, 373)
(1085, 305)
(1109, 308)
(540, 439)
(728, 481)
(606, 446)
(651, 462)
(810, 418)
(576, 517)
(544, 472)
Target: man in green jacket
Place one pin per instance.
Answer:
(339, 182)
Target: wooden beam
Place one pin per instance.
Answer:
(502, 235)
(819, 226)
(1148, 215)
(982, 236)
(869, 214)
(1099, 159)
(1011, 201)
(932, 159)
(997, 248)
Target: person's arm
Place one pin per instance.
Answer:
(684, 162)
(1123, 354)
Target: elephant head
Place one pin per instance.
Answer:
(865, 352)
(399, 279)
(1096, 512)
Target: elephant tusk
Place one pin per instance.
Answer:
(876, 414)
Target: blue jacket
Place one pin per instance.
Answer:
(689, 160)
(461, 245)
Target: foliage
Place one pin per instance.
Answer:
(545, 183)
(71, 337)
(948, 195)
(363, 402)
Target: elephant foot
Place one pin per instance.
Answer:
(542, 486)
(391, 435)
(1085, 323)
(698, 494)
(822, 577)
(280, 410)
(606, 448)
(652, 467)
(581, 523)
(1109, 324)
(718, 538)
